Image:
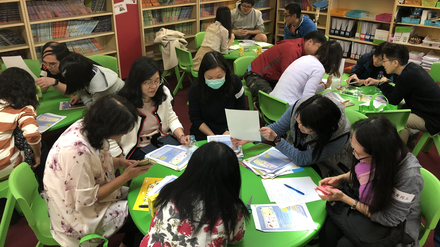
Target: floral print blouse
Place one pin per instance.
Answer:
(167, 230)
(74, 171)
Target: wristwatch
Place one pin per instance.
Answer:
(56, 82)
(353, 207)
(277, 139)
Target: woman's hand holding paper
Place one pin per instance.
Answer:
(268, 133)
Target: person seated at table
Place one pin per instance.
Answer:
(202, 207)
(88, 80)
(296, 25)
(82, 194)
(19, 127)
(218, 36)
(368, 66)
(413, 84)
(144, 88)
(216, 89)
(247, 22)
(52, 53)
(385, 187)
(319, 135)
(265, 71)
(303, 77)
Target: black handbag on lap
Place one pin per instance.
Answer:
(360, 229)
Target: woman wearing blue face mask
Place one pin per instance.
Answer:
(217, 89)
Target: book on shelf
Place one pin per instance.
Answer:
(170, 156)
(9, 37)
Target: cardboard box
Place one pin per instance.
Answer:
(381, 35)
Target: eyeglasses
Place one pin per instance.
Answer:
(356, 154)
(151, 83)
(246, 6)
(51, 65)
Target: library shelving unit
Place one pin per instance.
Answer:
(19, 28)
(106, 39)
(202, 14)
(176, 15)
(420, 29)
(279, 27)
(374, 7)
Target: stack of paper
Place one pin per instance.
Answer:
(226, 139)
(271, 164)
(174, 157)
(416, 57)
(429, 59)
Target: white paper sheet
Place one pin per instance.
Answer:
(243, 124)
(17, 61)
(234, 47)
(284, 197)
(263, 44)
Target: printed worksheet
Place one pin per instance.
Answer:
(174, 157)
(47, 120)
(272, 218)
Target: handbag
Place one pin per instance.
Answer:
(372, 108)
(360, 229)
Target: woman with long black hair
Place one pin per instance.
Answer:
(202, 207)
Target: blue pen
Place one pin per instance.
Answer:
(290, 187)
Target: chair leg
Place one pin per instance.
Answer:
(420, 144)
(179, 83)
(436, 140)
(6, 218)
(428, 145)
(164, 73)
(39, 244)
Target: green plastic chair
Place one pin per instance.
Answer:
(430, 206)
(24, 189)
(34, 66)
(271, 108)
(7, 212)
(198, 38)
(241, 65)
(427, 139)
(354, 116)
(176, 68)
(185, 60)
(435, 71)
(105, 61)
(397, 117)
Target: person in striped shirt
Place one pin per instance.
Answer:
(18, 102)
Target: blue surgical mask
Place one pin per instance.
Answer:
(215, 84)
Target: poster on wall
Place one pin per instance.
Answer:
(130, 1)
(120, 8)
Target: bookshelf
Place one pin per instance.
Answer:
(84, 27)
(12, 21)
(202, 14)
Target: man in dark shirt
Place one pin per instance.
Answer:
(413, 84)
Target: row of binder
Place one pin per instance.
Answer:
(353, 50)
(362, 30)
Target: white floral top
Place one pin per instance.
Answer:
(74, 171)
(167, 230)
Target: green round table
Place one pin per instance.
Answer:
(251, 186)
(234, 54)
(50, 103)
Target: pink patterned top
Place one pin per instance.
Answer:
(73, 174)
(362, 170)
(168, 230)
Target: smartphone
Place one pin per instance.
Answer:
(322, 191)
(146, 162)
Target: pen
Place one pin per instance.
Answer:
(249, 203)
(290, 187)
(143, 206)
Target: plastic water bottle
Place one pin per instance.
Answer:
(191, 146)
(380, 75)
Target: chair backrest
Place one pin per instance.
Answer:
(105, 61)
(24, 188)
(34, 66)
(198, 38)
(397, 117)
(184, 58)
(271, 108)
(354, 116)
(430, 205)
(241, 65)
(435, 71)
